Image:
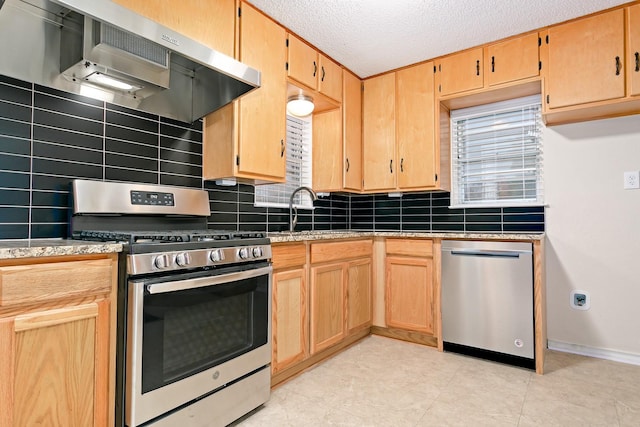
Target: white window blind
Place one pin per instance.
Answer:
(496, 154)
(298, 169)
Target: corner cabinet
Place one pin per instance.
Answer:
(246, 139)
(57, 329)
(401, 142)
(340, 292)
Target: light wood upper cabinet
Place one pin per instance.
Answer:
(57, 353)
(379, 133)
(352, 131)
(327, 151)
(210, 22)
(415, 124)
(246, 139)
(313, 69)
(511, 60)
(586, 60)
(633, 50)
(460, 72)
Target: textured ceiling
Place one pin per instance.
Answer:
(373, 36)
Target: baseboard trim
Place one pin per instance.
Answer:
(613, 355)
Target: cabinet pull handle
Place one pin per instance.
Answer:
(282, 148)
(493, 64)
(617, 65)
(402, 164)
(391, 165)
(347, 165)
(315, 68)
(322, 79)
(637, 61)
(478, 68)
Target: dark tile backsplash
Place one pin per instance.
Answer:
(48, 138)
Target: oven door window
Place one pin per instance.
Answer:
(189, 331)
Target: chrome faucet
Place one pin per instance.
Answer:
(293, 211)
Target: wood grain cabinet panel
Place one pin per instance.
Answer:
(327, 151)
(460, 72)
(586, 60)
(359, 302)
(379, 133)
(328, 296)
(511, 60)
(633, 49)
(290, 330)
(57, 352)
(352, 131)
(246, 139)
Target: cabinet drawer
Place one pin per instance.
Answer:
(285, 256)
(37, 283)
(332, 251)
(410, 247)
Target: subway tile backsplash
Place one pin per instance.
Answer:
(48, 138)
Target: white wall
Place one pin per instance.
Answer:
(593, 228)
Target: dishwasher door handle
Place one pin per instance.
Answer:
(484, 253)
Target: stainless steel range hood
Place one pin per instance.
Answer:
(100, 49)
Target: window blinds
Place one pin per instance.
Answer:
(298, 169)
(496, 156)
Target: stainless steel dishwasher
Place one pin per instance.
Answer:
(487, 300)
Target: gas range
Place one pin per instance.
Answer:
(163, 228)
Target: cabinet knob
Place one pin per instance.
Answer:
(477, 67)
(322, 78)
(617, 65)
(637, 61)
(402, 164)
(493, 64)
(391, 165)
(282, 148)
(347, 165)
(315, 68)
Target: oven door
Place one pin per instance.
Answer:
(190, 335)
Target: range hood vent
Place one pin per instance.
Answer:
(99, 49)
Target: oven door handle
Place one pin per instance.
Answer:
(201, 282)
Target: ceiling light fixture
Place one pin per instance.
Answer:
(300, 105)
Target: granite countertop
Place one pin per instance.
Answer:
(301, 236)
(10, 249)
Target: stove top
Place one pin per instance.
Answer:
(166, 236)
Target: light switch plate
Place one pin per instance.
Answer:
(631, 180)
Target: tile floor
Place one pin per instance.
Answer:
(385, 382)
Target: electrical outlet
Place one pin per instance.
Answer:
(580, 300)
(631, 180)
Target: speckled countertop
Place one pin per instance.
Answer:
(300, 236)
(10, 249)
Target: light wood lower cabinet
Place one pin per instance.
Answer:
(310, 324)
(57, 334)
(409, 285)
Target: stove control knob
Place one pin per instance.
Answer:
(161, 261)
(216, 255)
(243, 253)
(183, 259)
(256, 252)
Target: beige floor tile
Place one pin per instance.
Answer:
(385, 382)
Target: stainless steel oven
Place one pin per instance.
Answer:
(194, 306)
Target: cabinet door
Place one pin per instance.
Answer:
(328, 297)
(210, 22)
(633, 50)
(415, 106)
(290, 321)
(262, 117)
(409, 293)
(379, 132)
(460, 72)
(352, 131)
(512, 60)
(330, 78)
(359, 295)
(56, 367)
(327, 151)
(303, 62)
(586, 60)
